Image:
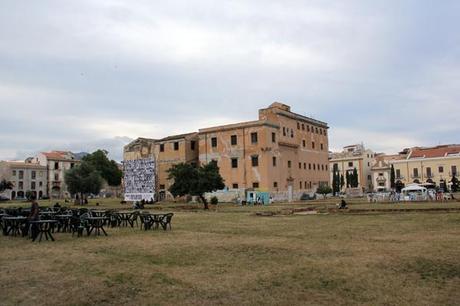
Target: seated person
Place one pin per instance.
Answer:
(343, 204)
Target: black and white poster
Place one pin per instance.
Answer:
(139, 179)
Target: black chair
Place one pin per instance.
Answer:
(165, 221)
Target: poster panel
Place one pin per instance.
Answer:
(139, 179)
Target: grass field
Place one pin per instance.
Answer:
(230, 256)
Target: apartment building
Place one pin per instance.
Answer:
(282, 153)
(56, 163)
(354, 157)
(427, 165)
(27, 178)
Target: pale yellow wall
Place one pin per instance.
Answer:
(406, 168)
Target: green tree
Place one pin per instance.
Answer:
(83, 180)
(354, 178)
(324, 190)
(190, 180)
(348, 180)
(107, 168)
(455, 183)
(4, 185)
(335, 182)
(342, 182)
(392, 177)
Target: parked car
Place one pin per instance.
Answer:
(3, 198)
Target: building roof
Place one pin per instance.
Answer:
(176, 137)
(24, 165)
(433, 152)
(59, 155)
(236, 126)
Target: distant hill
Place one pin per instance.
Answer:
(80, 155)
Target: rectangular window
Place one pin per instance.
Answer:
(21, 185)
(326, 167)
(273, 137)
(300, 185)
(398, 173)
(255, 160)
(298, 125)
(289, 164)
(56, 166)
(162, 147)
(284, 131)
(234, 140)
(72, 165)
(275, 184)
(56, 176)
(300, 165)
(33, 175)
(292, 133)
(322, 147)
(415, 172)
(32, 185)
(305, 185)
(192, 145)
(453, 170)
(214, 142)
(255, 185)
(350, 164)
(176, 146)
(322, 167)
(234, 162)
(254, 138)
(235, 186)
(321, 131)
(314, 166)
(40, 184)
(312, 144)
(309, 166)
(308, 128)
(162, 187)
(14, 172)
(428, 172)
(316, 130)
(274, 161)
(303, 143)
(441, 169)
(325, 132)
(305, 166)
(303, 127)
(21, 174)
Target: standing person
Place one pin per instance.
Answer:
(33, 216)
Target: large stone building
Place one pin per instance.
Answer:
(56, 163)
(354, 157)
(430, 165)
(27, 177)
(166, 152)
(282, 153)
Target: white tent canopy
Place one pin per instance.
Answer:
(414, 188)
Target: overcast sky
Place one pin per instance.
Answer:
(83, 75)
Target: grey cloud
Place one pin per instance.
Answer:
(70, 72)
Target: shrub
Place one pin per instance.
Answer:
(214, 200)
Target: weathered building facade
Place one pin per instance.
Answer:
(57, 163)
(282, 153)
(26, 177)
